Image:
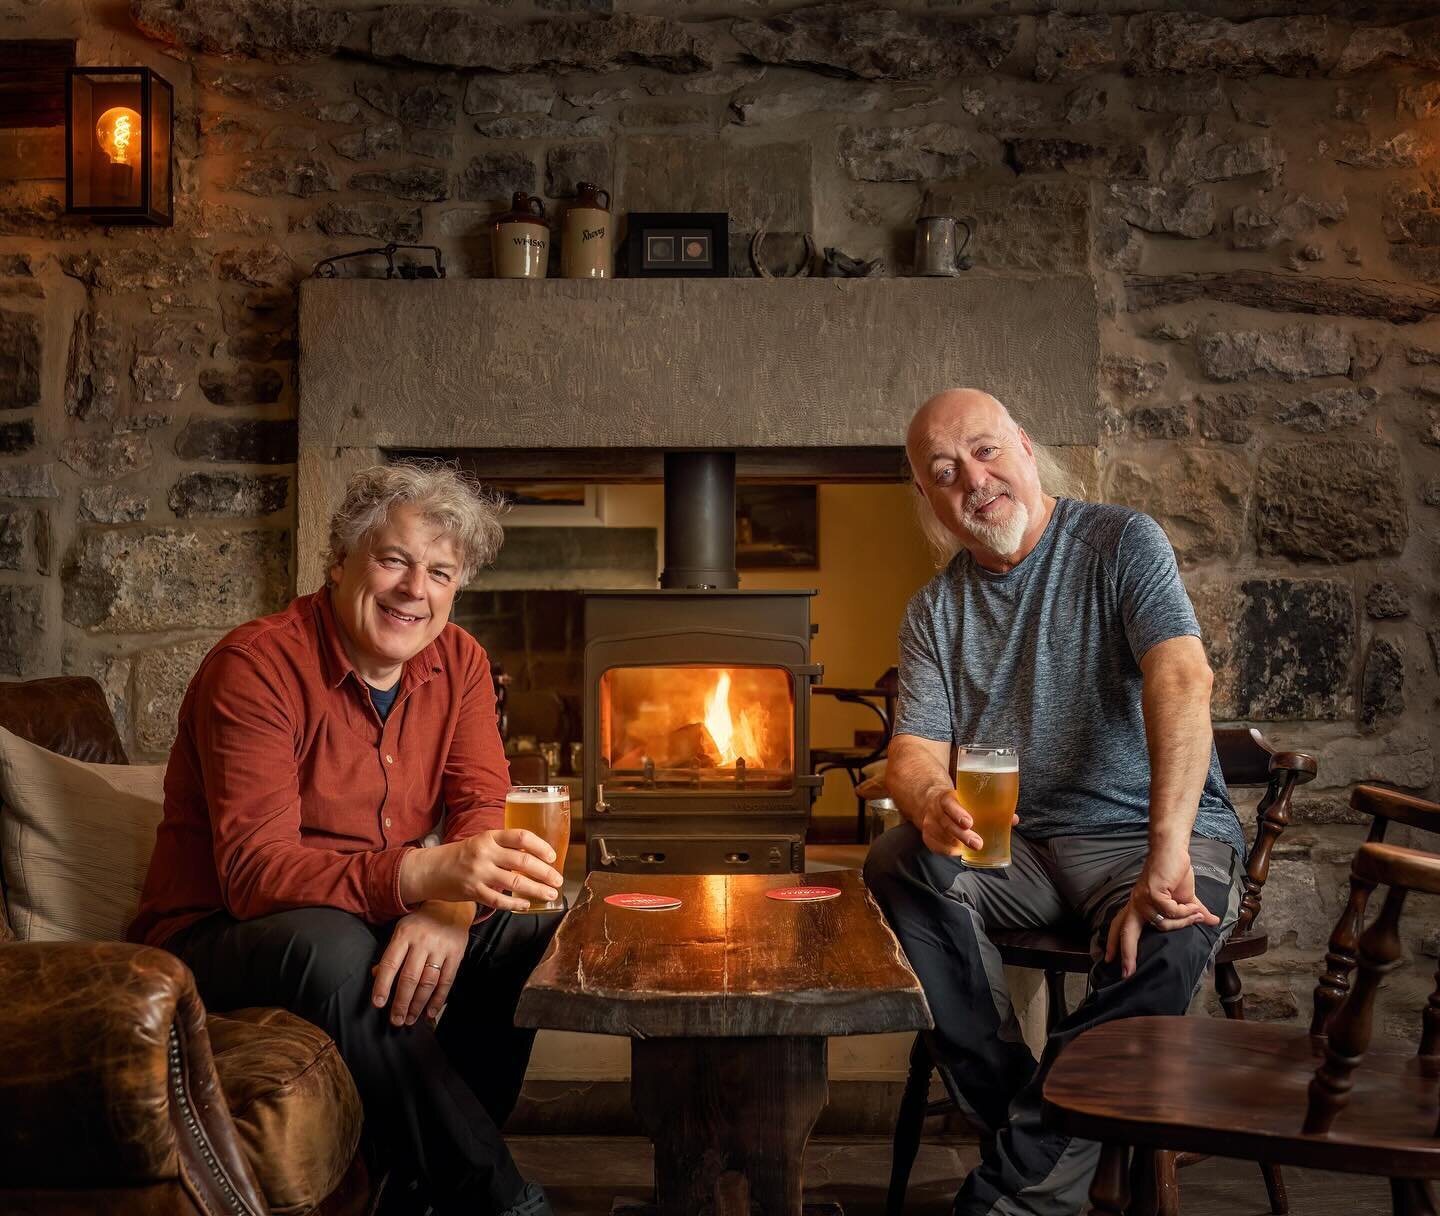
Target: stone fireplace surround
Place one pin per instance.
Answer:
(553, 370)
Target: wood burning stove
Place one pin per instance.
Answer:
(697, 703)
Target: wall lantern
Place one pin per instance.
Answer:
(119, 134)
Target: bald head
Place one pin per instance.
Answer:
(951, 412)
(975, 468)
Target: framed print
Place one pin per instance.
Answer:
(667, 244)
(551, 503)
(776, 527)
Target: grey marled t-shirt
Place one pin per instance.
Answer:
(1045, 658)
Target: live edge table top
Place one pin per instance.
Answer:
(727, 963)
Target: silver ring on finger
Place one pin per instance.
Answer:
(1157, 919)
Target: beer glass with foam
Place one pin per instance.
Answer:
(544, 810)
(987, 783)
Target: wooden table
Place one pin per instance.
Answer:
(728, 1002)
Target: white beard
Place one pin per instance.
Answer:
(1002, 539)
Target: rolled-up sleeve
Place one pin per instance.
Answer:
(247, 740)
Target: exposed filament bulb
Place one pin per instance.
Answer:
(119, 134)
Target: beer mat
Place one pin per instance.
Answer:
(802, 895)
(643, 902)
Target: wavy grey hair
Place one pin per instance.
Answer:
(445, 497)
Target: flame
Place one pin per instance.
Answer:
(734, 740)
(116, 132)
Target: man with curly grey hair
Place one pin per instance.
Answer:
(317, 747)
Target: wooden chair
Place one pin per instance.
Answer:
(1246, 759)
(880, 701)
(1274, 1094)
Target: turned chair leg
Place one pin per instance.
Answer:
(909, 1125)
(1110, 1192)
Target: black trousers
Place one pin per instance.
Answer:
(434, 1099)
(942, 913)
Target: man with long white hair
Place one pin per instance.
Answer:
(1062, 629)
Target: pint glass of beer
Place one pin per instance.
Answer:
(544, 810)
(987, 783)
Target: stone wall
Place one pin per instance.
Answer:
(1253, 188)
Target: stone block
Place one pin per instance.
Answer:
(24, 539)
(294, 139)
(416, 102)
(1281, 648)
(237, 221)
(260, 266)
(1161, 422)
(1387, 600)
(567, 165)
(112, 505)
(346, 113)
(1197, 153)
(934, 151)
(523, 94)
(1226, 416)
(371, 143)
(1067, 48)
(1293, 912)
(1198, 497)
(161, 677)
(1419, 100)
(282, 91)
(445, 36)
(1190, 44)
(495, 176)
(20, 355)
(1382, 683)
(107, 457)
(667, 115)
(753, 107)
(418, 183)
(541, 126)
(17, 437)
(165, 356)
(279, 31)
(761, 185)
(1405, 150)
(28, 481)
(1174, 211)
(878, 43)
(302, 177)
(1291, 352)
(1331, 500)
(249, 441)
(229, 495)
(437, 145)
(1052, 155)
(1401, 757)
(585, 98)
(22, 630)
(1129, 376)
(1263, 225)
(1328, 409)
(221, 134)
(244, 386)
(147, 580)
(1191, 95)
(382, 221)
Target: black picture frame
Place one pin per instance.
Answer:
(777, 527)
(677, 244)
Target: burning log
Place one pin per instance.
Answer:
(688, 746)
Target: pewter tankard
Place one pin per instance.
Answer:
(936, 252)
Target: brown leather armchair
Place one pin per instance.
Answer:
(120, 1093)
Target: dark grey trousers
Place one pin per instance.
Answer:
(434, 1100)
(941, 912)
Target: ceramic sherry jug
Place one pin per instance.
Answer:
(586, 244)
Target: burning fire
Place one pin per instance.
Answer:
(734, 741)
(697, 717)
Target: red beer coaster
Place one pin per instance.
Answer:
(802, 895)
(643, 902)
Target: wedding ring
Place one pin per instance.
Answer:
(1156, 919)
(435, 965)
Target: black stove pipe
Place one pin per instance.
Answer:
(700, 521)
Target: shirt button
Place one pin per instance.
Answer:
(387, 821)
(389, 759)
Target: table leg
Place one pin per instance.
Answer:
(729, 1119)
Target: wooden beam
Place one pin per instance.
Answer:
(32, 81)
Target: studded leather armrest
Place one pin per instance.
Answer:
(106, 1077)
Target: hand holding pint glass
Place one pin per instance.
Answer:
(987, 785)
(544, 810)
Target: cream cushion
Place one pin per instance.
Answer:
(75, 840)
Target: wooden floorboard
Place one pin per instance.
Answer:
(583, 1175)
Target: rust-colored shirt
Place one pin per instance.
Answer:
(285, 789)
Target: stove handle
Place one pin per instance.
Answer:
(607, 858)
